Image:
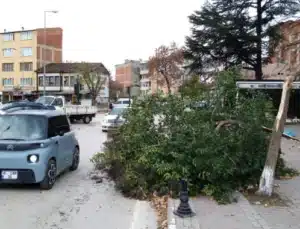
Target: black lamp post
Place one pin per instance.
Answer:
(184, 210)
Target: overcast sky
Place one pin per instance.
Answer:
(107, 31)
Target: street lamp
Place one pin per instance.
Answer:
(45, 40)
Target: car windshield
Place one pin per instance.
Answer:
(46, 100)
(22, 127)
(117, 111)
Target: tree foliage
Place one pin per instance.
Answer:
(162, 142)
(94, 76)
(165, 67)
(229, 33)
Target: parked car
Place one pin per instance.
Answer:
(121, 102)
(114, 118)
(36, 146)
(24, 106)
(74, 112)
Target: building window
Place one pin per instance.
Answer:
(26, 81)
(26, 66)
(8, 37)
(41, 81)
(8, 52)
(66, 81)
(27, 35)
(293, 56)
(50, 81)
(26, 51)
(7, 67)
(8, 82)
(72, 81)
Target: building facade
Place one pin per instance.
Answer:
(128, 75)
(22, 53)
(61, 77)
(145, 82)
(288, 50)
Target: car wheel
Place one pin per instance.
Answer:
(50, 176)
(76, 159)
(87, 119)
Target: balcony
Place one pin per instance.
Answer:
(145, 80)
(144, 71)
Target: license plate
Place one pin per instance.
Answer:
(9, 175)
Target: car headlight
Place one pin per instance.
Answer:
(33, 158)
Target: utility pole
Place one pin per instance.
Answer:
(44, 47)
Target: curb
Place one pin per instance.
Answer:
(171, 216)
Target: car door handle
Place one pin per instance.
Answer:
(56, 142)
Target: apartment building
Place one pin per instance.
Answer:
(22, 53)
(288, 50)
(145, 82)
(128, 75)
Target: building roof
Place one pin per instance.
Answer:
(29, 30)
(72, 68)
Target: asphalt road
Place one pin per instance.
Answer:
(75, 202)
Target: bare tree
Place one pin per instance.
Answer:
(94, 75)
(166, 65)
(114, 89)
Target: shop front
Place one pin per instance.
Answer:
(273, 88)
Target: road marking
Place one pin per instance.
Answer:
(136, 213)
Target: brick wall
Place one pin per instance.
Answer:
(124, 75)
(53, 51)
(288, 50)
(54, 37)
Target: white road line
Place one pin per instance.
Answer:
(136, 213)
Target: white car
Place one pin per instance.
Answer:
(122, 102)
(114, 118)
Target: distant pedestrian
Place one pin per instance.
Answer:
(111, 106)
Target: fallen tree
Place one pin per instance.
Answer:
(217, 149)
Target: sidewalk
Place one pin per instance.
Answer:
(243, 215)
(210, 215)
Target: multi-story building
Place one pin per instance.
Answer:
(22, 53)
(128, 75)
(288, 50)
(61, 77)
(145, 82)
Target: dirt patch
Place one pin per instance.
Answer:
(266, 201)
(160, 204)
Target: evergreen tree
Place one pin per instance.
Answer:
(233, 32)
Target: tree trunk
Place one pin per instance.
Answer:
(258, 67)
(168, 84)
(94, 102)
(267, 177)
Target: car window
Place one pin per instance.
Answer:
(23, 127)
(58, 102)
(57, 124)
(117, 111)
(46, 100)
(125, 101)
